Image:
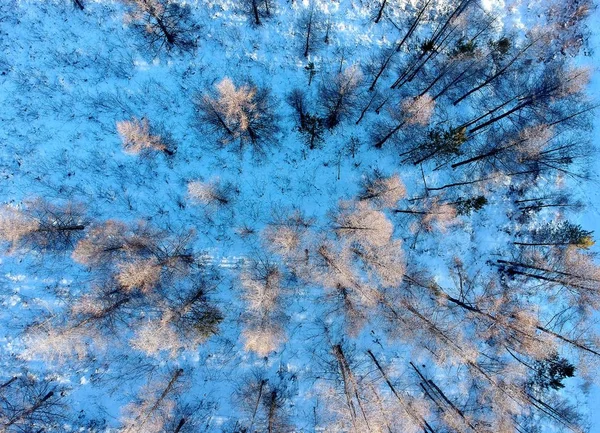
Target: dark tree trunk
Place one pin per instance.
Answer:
(380, 13)
(383, 67)
(308, 30)
(255, 11)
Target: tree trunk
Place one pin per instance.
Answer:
(179, 426)
(31, 410)
(260, 391)
(364, 111)
(413, 26)
(419, 421)
(544, 244)
(68, 228)
(380, 13)
(528, 101)
(350, 386)
(5, 384)
(496, 75)
(308, 30)
(412, 212)
(163, 395)
(411, 72)
(272, 409)
(255, 11)
(383, 67)
(389, 135)
(170, 38)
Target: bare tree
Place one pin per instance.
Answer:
(265, 402)
(558, 86)
(257, 10)
(384, 192)
(287, 233)
(413, 112)
(39, 224)
(214, 193)
(243, 114)
(137, 137)
(571, 268)
(433, 215)
(85, 327)
(117, 244)
(354, 404)
(331, 267)
(155, 405)
(265, 316)
(384, 264)
(29, 403)
(182, 323)
(338, 97)
(311, 25)
(163, 23)
(310, 125)
(358, 222)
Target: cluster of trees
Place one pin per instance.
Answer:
(29, 403)
(264, 401)
(131, 268)
(354, 258)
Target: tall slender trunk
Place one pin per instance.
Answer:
(413, 26)
(180, 425)
(528, 102)
(5, 384)
(542, 269)
(379, 144)
(380, 13)
(543, 244)
(460, 77)
(255, 11)
(433, 389)
(31, 410)
(308, 30)
(383, 67)
(272, 409)
(439, 76)
(412, 212)
(497, 74)
(163, 28)
(409, 73)
(418, 420)
(260, 391)
(364, 111)
(350, 386)
(568, 340)
(142, 419)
